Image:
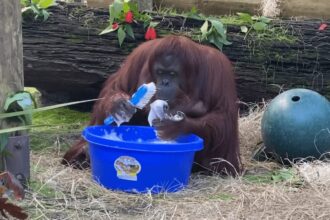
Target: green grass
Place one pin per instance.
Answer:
(59, 124)
(232, 20)
(60, 116)
(222, 197)
(278, 34)
(42, 189)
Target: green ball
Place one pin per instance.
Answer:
(296, 125)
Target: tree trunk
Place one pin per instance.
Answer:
(67, 58)
(11, 55)
(11, 74)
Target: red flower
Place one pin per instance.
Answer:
(150, 34)
(115, 26)
(323, 27)
(129, 17)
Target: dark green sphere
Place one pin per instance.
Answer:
(296, 124)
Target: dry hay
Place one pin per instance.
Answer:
(315, 173)
(63, 193)
(250, 139)
(270, 8)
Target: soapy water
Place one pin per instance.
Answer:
(158, 110)
(159, 141)
(121, 118)
(156, 141)
(119, 137)
(179, 116)
(113, 136)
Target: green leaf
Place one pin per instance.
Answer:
(204, 28)
(219, 27)
(283, 175)
(45, 14)
(264, 19)
(19, 102)
(35, 1)
(134, 8)
(255, 18)
(121, 35)
(118, 7)
(129, 31)
(259, 26)
(3, 141)
(245, 17)
(213, 40)
(107, 30)
(218, 40)
(153, 24)
(146, 24)
(115, 10)
(23, 3)
(112, 14)
(259, 178)
(224, 41)
(23, 99)
(244, 29)
(193, 10)
(276, 178)
(126, 7)
(45, 3)
(35, 10)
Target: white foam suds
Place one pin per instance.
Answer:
(158, 141)
(119, 137)
(113, 136)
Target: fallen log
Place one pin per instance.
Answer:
(67, 59)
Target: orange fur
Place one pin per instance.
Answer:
(208, 79)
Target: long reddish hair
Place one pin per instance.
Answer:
(208, 77)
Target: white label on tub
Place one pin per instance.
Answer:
(127, 168)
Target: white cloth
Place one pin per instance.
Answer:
(157, 110)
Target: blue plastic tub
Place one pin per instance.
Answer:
(132, 159)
